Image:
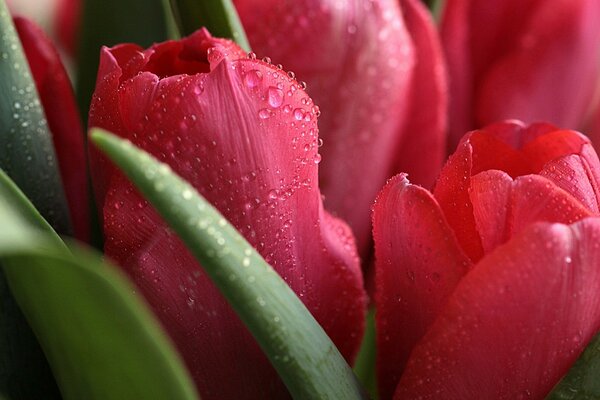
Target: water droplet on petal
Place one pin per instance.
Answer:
(275, 97)
(299, 114)
(253, 78)
(264, 113)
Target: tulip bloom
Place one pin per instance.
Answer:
(58, 101)
(245, 135)
(534, 60)
(375, 69)
(488, 288)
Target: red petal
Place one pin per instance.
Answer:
(554, 60)
(490, 194)
(57, 98)
(455, 38)
(423, 148)
(535, 198)
(418, 264)
(452, 193)
(68, 17)
(553, 145)
(516, 322)
(358, 68)
(250, 149)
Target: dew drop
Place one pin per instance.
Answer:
(253, 78)
(291, 74)
(264, 113)
(274, 97)
(252, 55)
(299, 114)
(267, 60)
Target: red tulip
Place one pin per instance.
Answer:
(535, 60)
(488, 288)
(244, 134)
(375, 70)
(58, 101)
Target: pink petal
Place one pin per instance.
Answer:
(574, 174)
(553, 145)
(358, 67)
(233, 133)
(423, 148)
(549, 74)
(56, 95)
(418, 264)
(515, 323)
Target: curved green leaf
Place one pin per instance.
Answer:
(27, 153)
(582, 382)
(109, 22)
(101, 340)
(218, 16)
(301, 352)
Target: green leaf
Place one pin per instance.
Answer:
(582, 382)
(101, 340)
(218, 16)
(298, 348)
(110, 22)
(27, 153)
(364, 367)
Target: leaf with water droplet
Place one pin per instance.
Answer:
(582, 381)
(107, 344)
(306, 359)
(27, 153)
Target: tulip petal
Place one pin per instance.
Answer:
(58, 101)
(550, 146)
(233, 133)
(554, 58)
(452, 193)
(359, 70)
(574, 174)
(536, 199)
(515, 323)
(418, 264)
(490, 194)
(424, 139)
(454, 32)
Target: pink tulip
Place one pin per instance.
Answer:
(229, 124)
(375, 70)
(488, 288)
(58, 101)
(535, 60)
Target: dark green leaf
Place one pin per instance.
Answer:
(298, 348)
(100, 339)
(218, 16)
(109, 22)
(364, 367)
(582, 382)
(27, 153)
